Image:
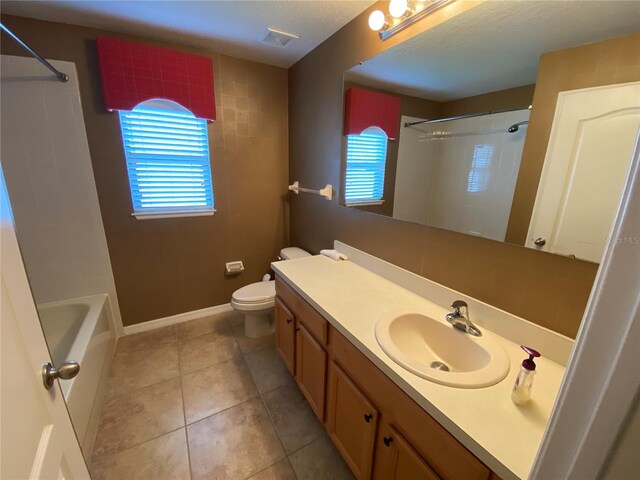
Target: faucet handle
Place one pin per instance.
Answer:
(458, 304)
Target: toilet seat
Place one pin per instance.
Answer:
(255, 296)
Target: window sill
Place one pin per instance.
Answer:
(364, 204)
(150, 216)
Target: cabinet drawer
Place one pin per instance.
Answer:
(445, 455)
(304, 313)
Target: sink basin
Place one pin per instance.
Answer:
(434, 350)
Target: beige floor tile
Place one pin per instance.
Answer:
(235, 318)
(198, 352)
(140, 368)
(279, 471)
(319, 461)
(165, 457)
(138, 416)
(233, 444)
(251, 344)
(215, 324)
(295, 423)
(149, 339)
(268, 369)
(216, 388)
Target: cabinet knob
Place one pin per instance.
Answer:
(368, 417)
(387, 441)
(289, 320)
(297, 329)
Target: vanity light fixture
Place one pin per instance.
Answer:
(403, 13)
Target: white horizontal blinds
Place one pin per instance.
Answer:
(366, 157)
(480, 168)
(167, 154)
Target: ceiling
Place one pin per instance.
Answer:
(494, 46)
(232, 27)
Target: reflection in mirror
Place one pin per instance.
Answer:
(45, 159)
(477, 144)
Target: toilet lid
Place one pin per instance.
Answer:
(256, 292)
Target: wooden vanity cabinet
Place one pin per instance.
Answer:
(352, 421)
(379, 430)
(286, 335)
(311, 369)
(396, 459)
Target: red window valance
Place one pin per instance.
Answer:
(366, 108)
(134, 72)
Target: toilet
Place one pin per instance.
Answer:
(256, 300)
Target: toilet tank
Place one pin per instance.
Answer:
(290, 253)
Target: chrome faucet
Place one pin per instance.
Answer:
(459, 318)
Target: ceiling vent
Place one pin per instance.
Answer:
(278, 39)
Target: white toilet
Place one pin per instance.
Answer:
(256, 300)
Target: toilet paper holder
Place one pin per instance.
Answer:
(234, 268)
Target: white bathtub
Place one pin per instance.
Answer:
(82, 329)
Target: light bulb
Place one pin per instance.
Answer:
(397, 8)
(376, 20)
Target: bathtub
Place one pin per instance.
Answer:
(82, 329)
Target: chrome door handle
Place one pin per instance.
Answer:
(66, 371)
(540, 242)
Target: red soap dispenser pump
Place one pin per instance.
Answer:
(521, 393)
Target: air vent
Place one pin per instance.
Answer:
(278, 39)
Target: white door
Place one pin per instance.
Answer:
(36, 435)
(590, 149)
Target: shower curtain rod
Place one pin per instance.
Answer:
(460, 117)
(63, 77)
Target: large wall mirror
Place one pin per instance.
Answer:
(481, 126)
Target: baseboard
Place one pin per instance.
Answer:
(179, 318)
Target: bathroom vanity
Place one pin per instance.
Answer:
(387, 422)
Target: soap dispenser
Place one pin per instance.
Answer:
(521, 393)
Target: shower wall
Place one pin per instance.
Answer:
(460, 175)
(45, 157)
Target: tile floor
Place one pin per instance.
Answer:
(200, 400)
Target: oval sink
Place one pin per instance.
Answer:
(436, 351)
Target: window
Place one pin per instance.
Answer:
(480, 168)
(366, 158)
(167, 151)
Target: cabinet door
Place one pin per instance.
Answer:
(351, 422)
(286, 335)
(311, 369)
(397, 460)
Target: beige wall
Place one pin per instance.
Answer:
(593, 65)
(167, 266)
(547, 289)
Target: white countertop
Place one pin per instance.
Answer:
(501, 434)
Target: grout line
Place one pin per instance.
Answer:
(184, 409)
(105, 455)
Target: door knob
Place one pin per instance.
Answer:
(66, 371)
(540, 242)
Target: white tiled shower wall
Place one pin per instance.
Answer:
(46, 162)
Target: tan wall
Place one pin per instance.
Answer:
(593, 65)
(547, 289)
(511, 98)
(167, 266)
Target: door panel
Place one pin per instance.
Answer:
(351, 422)
(397, 460)
(311, 370)
(285, 335)
(590, 149)
(38, 441)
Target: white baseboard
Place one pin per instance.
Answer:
(179, 318)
